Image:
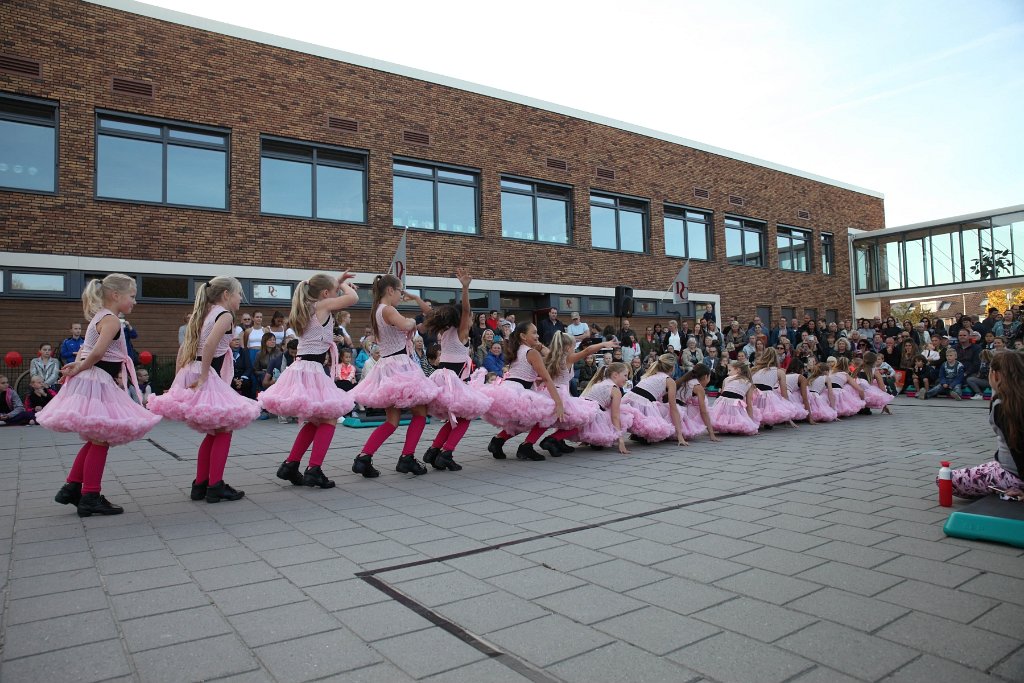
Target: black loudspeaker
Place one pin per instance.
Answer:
(623, 301)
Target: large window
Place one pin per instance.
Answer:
(432, 197)
(828, 253)
(618, 222)
(687, 232)
(161, 162)
(28, 144)
(535, 211)
(312, 181)
(744, 242)
(794, 249)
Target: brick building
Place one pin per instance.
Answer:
(176, 148)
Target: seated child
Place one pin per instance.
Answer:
(950, 378)
(37, 397)
(12, 410)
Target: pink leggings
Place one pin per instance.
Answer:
(448, 437)
(88, 467)
(973, 482)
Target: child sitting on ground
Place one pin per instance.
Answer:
(950, 378)
(12, 410)
(37, 397)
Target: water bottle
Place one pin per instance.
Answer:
(945, 485)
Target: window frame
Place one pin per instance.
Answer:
(709, 229)
(828, 253)
(617, 198)
(314, 147)
(436, 166)
(141, 296)
(250, 290)
(762, 231)
(165, 126)
(534, 194)
(42, 102)
(9, 291)
(788, 232)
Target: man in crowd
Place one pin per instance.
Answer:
(69, 347)
(626, 330)
(550, 325)
(492, 320)
(579, 330)
(968, 353)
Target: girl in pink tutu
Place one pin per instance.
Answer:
(578, 412)
(458, 402)
(91, 403)
(692, 399)
(396, 382)
(847, 396)
(203, 400)
(862, 370)
(772, 396)
(615, 418)
(796, 386)
(733, 411)
(819, 392)
(515, 407)
(304, 391)
(649, 423)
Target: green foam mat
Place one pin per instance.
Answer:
(989, 519)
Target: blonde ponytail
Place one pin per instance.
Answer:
(666, 363)
(559, 350)
(96, 292)
(306, 295)
(207, 294)
(603, 373)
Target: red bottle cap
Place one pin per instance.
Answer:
(944, 463)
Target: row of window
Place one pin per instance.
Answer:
(164, 162)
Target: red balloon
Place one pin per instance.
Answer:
(145, 357)
(13, 359)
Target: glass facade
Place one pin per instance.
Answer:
(430, 197)
(940, 255)
(828, 253)
(311, 181)
(618, 223)
(744, 242)
(794, 247)
(535, 211)
(28, 145)
(687, 233)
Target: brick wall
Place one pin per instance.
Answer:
(255, 89)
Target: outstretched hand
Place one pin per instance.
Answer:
(463, 276)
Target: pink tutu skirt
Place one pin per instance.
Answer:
(847, 401)
(395, 382)
(576, 411)
(601, 432)
(214, 406)
(773, 408)
(689, 426)
(729, 416)
(648, 421)
(875, 397)
(797, 401)
(304, 391)
(463, 400)
(515, 408)
(95, 407)
(821, 410)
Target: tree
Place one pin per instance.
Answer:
(991, 262)
(911, 311)
(1004, 298)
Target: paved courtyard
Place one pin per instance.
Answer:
(810, 555)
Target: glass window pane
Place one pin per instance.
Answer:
(140, 128)
(413, 203)
(602, 227)
(286, 187)
(553, 219)
(631, 231)
(1001, 242)
(514, 185)
(674, 244)
(599, 306)
(890, 264)
(279, 147)
(453, 175)
(129, 169)
(27, 156)
(600, 199)
(946, 270)
(917, 274)
(479, 300)
(410, 168)
(697, 239)
(734, 246)
(337, 156)
(268, 290)
(695, 216)
(196, 177)
(782, 243)
(516, 216)
(439, 296)
(164, 287)
(208, 138)
(37, 282)
(752, 246)
(456, 208)
(339, 194)
(971, 253)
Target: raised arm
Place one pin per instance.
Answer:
(466, 320)
(394, 318)
(337, 303)
(591, 350)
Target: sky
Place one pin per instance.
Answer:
(921, 100)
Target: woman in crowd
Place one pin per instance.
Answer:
(304, 391)
(772, 396)
(279, 327)
(396, 382)
(203, 400)
(46, 366)
(261, 364)
(690, 356)
(91, 403)
(649, 424)
(630, 348)
(587, 370)
(476, 332)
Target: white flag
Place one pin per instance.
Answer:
(681, 287)
(399, 264)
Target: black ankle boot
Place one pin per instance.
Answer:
(315, 477)
(551, 446)
(222, 491)
(95, 504)
(409, 464)
(526, 452)
(70, 493)
(430, 455)
(363, 464)
(198, 490)
(564, 447)
(446, 461)
(638, 439)
(289, 471)
(494, 447)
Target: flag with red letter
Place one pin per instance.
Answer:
(399, 264)
(681, 286)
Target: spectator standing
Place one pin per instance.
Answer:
(279, 327)
(130, 334)
(674, 338)
(626, 329)
(630, 348)
(989, 322)
(46, 366)
(579, 330)
(709, 312)
(184, 327)
(549, 326)
(70, 346)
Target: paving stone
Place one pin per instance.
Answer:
(657, 630)
(217, 657)
(385, 620)
(822, 674)
(643, 551)
(47, 584)
(964, 644)
(621, 663)
(535, 583)
(152, 559)
(849, 651)
(778, 560)
(588, 604)
(992, 562)
(754, 618)
(56, 605)
(718, 546)
(345, 595)
(238, 575)
(851, 553)
(850, 578)
(568, 557)
(785, 539)
(92, 662)
(171, 628)
(449, 587)
(681, 595)
(319, 572)
(146, 579)
(995, 586)
(929, 571)
(934, 670)
(944, 602)
(1005, 619)
(428, 652)
(852, 534)
(775, 588)
(1011, 668)
(32, 638)
(660, 532)
(738, 659)
(38, 566)
(730, 527)
(700, 567)
(376, 673)
(548, 640)
(285, 622)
